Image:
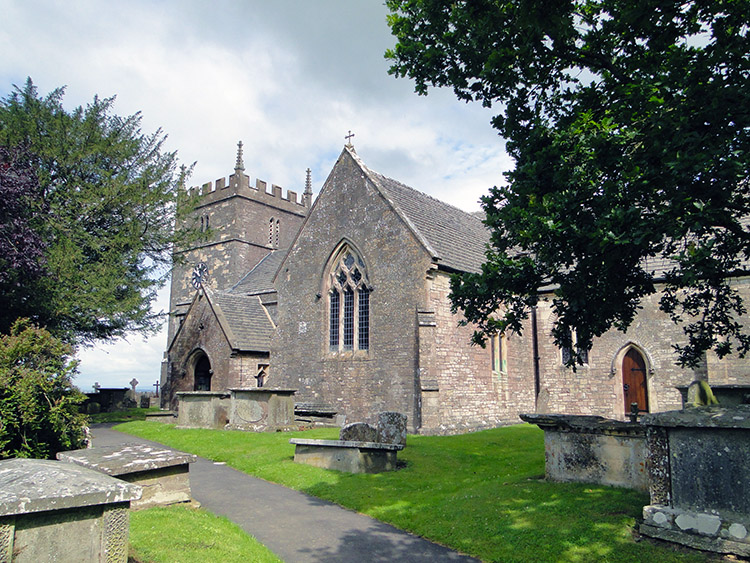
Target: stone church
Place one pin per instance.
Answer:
(346, 301)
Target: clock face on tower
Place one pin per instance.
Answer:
(200, 274)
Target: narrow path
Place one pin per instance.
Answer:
(296, 527)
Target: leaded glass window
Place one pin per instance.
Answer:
(364, 319)
(334, 320)
(349, 323)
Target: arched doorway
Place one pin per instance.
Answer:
(634, 386)
(202, 374)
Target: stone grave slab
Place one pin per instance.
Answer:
(50, 507)
(351, 457)
(162, 473)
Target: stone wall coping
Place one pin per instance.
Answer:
(273, 390)
(583, 423)
(737, 416)
(347, 444)
(38, 485)
(219, 394)
(126, 458)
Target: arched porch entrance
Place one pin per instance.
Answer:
(202, 373)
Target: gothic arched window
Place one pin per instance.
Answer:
(348, 303)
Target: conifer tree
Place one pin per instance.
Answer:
(108, 193)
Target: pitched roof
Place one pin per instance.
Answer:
(244, 320)
(260, 278)
(455, 238)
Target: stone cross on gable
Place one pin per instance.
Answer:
(349, 137)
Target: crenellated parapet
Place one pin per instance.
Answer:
(238, 185)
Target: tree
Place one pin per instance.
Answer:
(629, 123)
(38, 403)
(110, 194)
(21, 246)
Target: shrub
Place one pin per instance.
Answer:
(39, 406)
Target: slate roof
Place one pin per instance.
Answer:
(457, 239)
(249, 326)
(260, 278)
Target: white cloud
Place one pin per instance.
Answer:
(288, 78)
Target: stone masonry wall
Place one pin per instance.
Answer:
(201, 332)
(470, 394)
(358, 384)
(241, 233)
(596, 388)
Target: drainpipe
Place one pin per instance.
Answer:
(535, 355)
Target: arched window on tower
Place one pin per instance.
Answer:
(348, 303)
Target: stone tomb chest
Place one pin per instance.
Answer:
(362, 448)
(203, 409)
(50, 510)
(162, 473)
(261, 409)
(699, 478)
(593, 449)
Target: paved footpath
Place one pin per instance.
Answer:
(298, 528)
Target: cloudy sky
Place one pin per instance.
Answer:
(289, 78)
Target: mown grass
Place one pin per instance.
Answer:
(126, 415)
(481, 493)
(181, 534)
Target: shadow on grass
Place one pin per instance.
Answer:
(478, 493)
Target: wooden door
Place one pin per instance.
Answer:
(634, 380)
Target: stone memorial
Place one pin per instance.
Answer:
(203, 409)
(50, 507)
(593, 449)
(261, 409)
(358, 432)
(391, 428)
(162, 473)
(699, 482)
(358, 450)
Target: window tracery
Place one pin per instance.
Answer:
(349, 304)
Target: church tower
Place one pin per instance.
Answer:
(242, 224)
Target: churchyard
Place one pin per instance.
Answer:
(483, 494)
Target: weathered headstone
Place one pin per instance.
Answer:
(391, 428)
(358, 432)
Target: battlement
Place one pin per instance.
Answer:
(239, 185)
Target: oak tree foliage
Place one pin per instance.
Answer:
(106, 194)
(629, 124)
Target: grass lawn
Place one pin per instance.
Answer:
(126, 415)
(481, 493)
(178, 534)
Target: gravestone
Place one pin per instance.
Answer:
(391, 428)
(358, 432)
